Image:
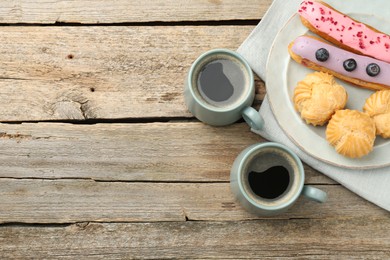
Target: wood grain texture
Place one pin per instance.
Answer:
(61, 73)
(122, 11)
(186, 151)
(358, 238)
(70, 201)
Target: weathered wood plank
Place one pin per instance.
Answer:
(357, 238)
(114, 11)
(69, 201)
(60, 73)
(131, 152)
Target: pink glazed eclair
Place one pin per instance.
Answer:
(360, 70)
(343, 31)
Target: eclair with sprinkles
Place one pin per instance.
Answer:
(360, 70)
(343, 31)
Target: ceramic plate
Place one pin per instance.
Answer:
(283, 74)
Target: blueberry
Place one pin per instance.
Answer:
(373, 69)
(350, 65)
(322, 54)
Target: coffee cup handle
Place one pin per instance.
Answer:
(253, 118)
(314, 194)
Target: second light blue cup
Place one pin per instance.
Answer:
(258, 159)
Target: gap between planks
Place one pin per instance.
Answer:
(123, 11)
(144, 181)
(253, 22)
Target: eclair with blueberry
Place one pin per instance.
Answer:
(343, 31)
(360, 70)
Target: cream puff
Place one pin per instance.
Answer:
(377, 106)
(317, 97)
(351, 132)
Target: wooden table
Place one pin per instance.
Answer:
(101, 159)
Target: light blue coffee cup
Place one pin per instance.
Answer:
(260, 157)
(213, 114)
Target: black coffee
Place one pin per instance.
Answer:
(271, 183)
(221, 82)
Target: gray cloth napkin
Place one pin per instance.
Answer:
(373, 184)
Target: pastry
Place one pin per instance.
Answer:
(318, 97)
(377, 106)
(351, 132)
(363, 71)
(342, 30)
